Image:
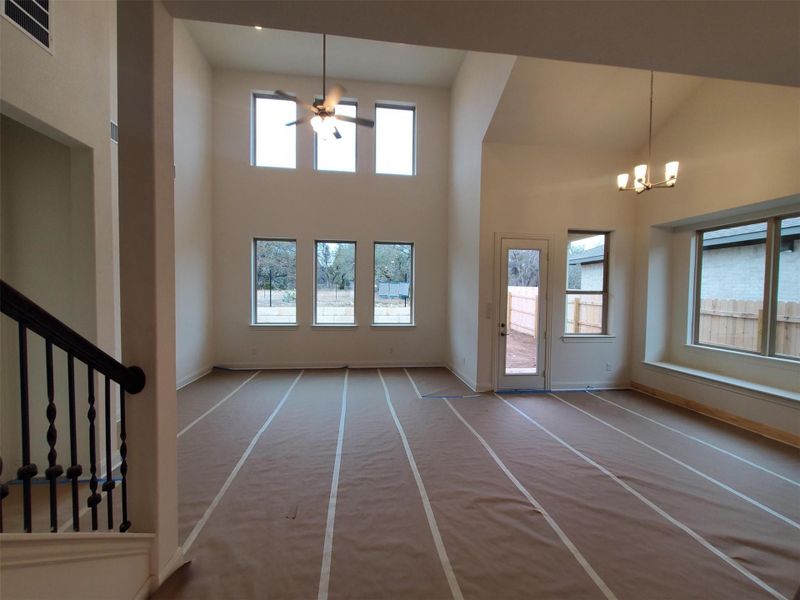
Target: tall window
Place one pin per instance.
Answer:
(335, 276)
(747, 287)
(274, 282)
(274, 144)
(395, 146)
(338, 154)
(587, 283)
(394, 280)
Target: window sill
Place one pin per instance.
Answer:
(274, 325)
(730, 382)
(334, 326)
(393, 325)
(587, 338)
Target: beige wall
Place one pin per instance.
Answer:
(193, 193)
(739, 148)
(475, 93)
(544, 192)
(308, 205)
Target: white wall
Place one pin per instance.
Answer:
(308, 205)
(59, 243)
(193, 208)
(739, 151)
(475, 93)
(544, 192)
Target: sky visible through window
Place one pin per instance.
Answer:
(394, 141)
(275, 142)
(339, 155)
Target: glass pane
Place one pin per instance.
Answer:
(787, 328)
(339, 154)
(732, 286)
(336, 274)
(584, 313)
(522, 312)
(275, 142)
(276, 277)
(586, 260)
(394, 140)
(393, 280)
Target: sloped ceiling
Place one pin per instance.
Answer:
(296, 53)
(558, 103)
(755, 41)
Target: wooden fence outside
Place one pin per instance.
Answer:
(738, 323)
(521, 309)
(584, 314)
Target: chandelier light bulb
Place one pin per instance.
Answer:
(622, 181)
(671, 172)
(640, 173)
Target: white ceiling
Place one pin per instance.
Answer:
(296, 53)
(560, 103)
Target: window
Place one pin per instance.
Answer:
(274, 144)
(274, 282)
(393, 296)
(395, 146)
(335, 277)
(747, 287)
(587, 283)
(338, 154)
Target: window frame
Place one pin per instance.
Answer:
(412, 275)
(398, 106)
(603, 293)
(253, 131)
(254, 285)
(315, 165)
(314, 320)
(766, 347)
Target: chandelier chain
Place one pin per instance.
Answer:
(650, 130)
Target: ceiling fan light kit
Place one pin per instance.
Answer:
(323, 115)
(641, 173)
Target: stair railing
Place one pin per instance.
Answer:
(131, 380)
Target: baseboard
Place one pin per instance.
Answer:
(721, 415)
(326, 365)
(192, 377)
(581, 386)
(467, 381)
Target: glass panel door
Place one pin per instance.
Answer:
(521, 354)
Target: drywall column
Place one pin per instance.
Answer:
(147, 269)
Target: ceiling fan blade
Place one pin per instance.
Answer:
(296, 100)
(300, 121)
(333, 96)
(356, 120)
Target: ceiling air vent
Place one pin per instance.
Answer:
(32, 16)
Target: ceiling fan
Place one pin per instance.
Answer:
(323, 115)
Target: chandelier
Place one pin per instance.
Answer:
(641, 173)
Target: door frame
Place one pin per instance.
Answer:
(497, 292)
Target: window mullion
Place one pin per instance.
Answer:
(770, 287)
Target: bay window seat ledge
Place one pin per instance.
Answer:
(727, 381)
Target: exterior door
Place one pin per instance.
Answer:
(521, 327)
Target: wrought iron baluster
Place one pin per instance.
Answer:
(28, 469)
(74, 471)
(94, 498)
(123, 467)
(109, 485)
(53, 470)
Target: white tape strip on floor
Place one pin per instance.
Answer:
(204, 519)
(455, 590)
(696, 536)
(696, 439)
(217, 405)
(689, 467)
(327, 549)
(535, 503)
